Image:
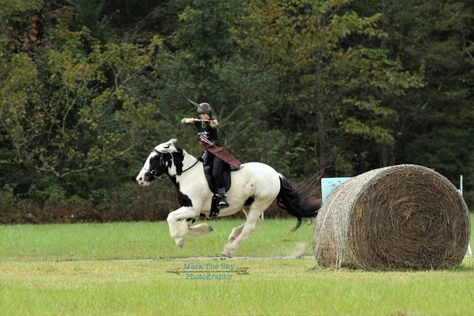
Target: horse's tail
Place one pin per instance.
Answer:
(298, 202)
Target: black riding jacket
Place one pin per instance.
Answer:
(205, 129)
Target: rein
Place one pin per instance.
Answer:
(195, 163)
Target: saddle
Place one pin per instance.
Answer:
(210, 178)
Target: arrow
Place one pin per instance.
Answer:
(191, 101)
(239, 271)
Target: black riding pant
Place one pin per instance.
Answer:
(217, 170)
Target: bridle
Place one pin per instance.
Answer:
(161, 162)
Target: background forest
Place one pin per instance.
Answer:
(88, 88)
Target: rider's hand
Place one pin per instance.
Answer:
(214, 123)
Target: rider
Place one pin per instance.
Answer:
(207, 133)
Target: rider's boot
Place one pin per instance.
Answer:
(222, 203)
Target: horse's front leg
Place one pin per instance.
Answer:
(200, 230)
(178, 225)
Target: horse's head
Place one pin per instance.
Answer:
(160, 161)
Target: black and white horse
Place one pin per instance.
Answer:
(254, 187)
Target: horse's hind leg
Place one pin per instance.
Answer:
(252, 218)
(235, 233)
(237, 230)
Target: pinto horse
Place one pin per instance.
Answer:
(254, 187)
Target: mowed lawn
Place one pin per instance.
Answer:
(121, 268)
(144, 240)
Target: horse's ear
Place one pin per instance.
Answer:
(174, 142)
(178, 147)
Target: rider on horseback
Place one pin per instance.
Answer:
(207, 132)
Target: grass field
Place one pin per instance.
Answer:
(121, 268)
(143, 240)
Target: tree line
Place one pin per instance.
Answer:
(88, 88)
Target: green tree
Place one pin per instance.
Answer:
(329, 85)
(78, 105)
(435, 38)
(12, 7)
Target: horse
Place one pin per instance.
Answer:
(254, 187)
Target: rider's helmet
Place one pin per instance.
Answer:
(204, 108)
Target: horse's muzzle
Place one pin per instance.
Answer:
(145, 179)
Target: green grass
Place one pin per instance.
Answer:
(142, 240)
(69, 270)
(273, 287)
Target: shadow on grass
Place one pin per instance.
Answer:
(467, 265)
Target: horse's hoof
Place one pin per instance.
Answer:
(180, 243)
(224, 255)
(211, 229)
(227, 253)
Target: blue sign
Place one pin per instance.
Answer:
(329, 184)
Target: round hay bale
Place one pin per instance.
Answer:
(399, 217)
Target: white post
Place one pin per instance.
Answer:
(469, 250)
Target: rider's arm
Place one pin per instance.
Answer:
(187, 121)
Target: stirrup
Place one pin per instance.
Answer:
(222, 202)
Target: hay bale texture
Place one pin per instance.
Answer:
(399, 217)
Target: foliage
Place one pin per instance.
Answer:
(79, 103)
(327, 89)
(87, 88)
(11, 7)
(436, 39)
